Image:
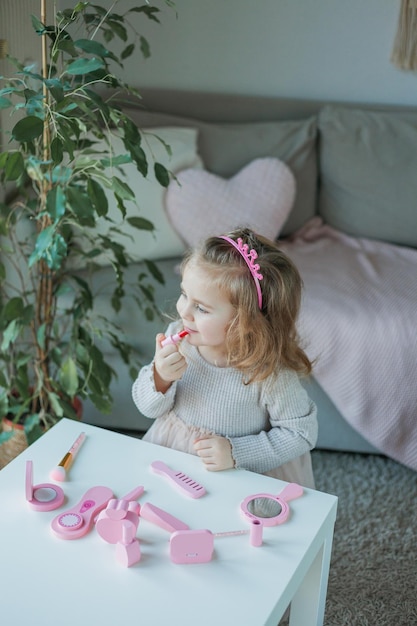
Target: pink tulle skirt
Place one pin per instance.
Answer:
(170, 431)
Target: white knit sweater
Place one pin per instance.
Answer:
(268, 423)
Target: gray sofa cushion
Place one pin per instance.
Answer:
(226, 148)
(369, 173)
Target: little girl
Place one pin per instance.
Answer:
(230, 390)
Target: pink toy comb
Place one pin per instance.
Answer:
(186, 484)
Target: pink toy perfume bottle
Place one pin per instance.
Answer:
(118, 524)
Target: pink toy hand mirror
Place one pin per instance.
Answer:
(268, 509)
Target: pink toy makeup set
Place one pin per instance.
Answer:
(117, 520)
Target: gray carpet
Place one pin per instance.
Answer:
(373, 575)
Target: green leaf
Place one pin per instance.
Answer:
(84, 66)
(50, 246)
(55, 203)
(10, 334)
(161, 174)
(13, 308)
(155, 272)
(139, 157)
(121, 189)
(150, 12)
(56, 404)
(15, 166)
(31, 421)
(37, 25)
(114, 161)
(68, 377)
(65, 44)
(80, 204)
(132, 138)
(57, 152)
(34, 169)
(56, 88)
(98, 197)
(145, 47)
(5, 103)
(104, 405)
(28, 129)
(35, 432)
(4, 403)
(141, 223)
(128, 51)
(40, 335)
(117, 28)
(92, 47)
(149, 314)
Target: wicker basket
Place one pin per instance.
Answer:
(15, 445)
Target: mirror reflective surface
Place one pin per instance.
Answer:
(264, 507)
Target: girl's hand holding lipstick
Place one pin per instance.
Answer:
(169, 363)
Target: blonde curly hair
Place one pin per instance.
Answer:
(258, 342)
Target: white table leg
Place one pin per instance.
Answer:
(308, 604)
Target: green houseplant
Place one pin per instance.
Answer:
(51, 348)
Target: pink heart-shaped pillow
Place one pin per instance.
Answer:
(260, 197)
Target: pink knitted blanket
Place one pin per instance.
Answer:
(359, 320)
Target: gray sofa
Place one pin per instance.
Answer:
(354, 166)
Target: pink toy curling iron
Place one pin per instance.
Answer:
(173, 339)
(186, 484)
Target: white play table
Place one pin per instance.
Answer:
(53, 582)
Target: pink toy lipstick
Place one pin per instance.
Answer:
(173, 339)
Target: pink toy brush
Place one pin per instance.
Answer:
(173, 339)
(183, 482)
(60, 472)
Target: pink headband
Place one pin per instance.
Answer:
(249, 256)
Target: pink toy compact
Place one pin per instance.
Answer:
(191, 546)
(43, 497)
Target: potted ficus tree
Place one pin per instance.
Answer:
(51, 342)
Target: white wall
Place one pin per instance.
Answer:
(320, 49)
